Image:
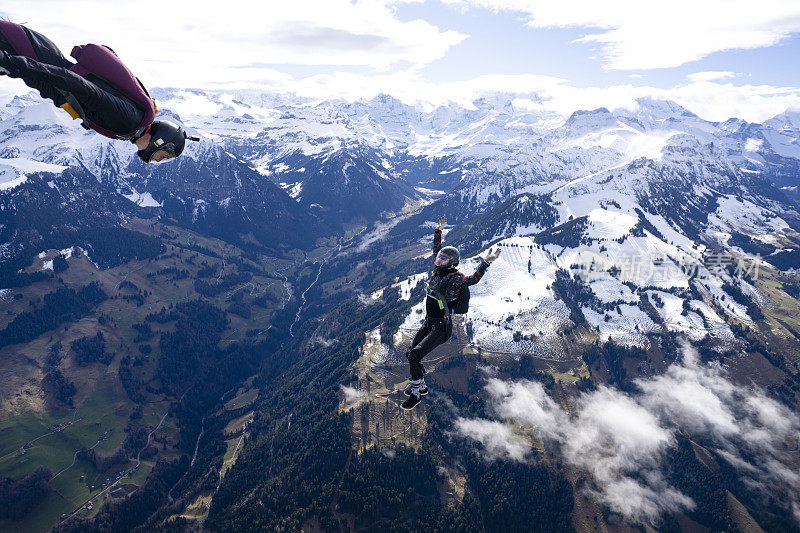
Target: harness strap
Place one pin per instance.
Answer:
(442, 302)
(441, 298)
(74, 108)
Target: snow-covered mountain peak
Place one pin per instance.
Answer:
(581, 121)
(659, 109)
(787, 122)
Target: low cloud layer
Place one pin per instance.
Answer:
(322, 341)
(351, 394)
(622, 440)
(496, 437)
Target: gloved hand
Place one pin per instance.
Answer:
(492, 254)
(440, 222)
(5, 64)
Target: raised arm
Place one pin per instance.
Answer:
(437, 235)
(458, 281)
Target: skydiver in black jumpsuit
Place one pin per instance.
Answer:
(102, 104)
(444, 287)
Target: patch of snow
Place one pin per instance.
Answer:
(30, 166)
(606, 224)
(628, 327)
(10, 179)
(610, 290)
(412, 322)
(734, 214)
(678, 320)
(379, 352)
(144, 199)
(408, 285)
(429, 192)
(379, 232)
(713, 285)
(295, 190)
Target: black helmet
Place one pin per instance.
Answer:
(167, 136)
(447, 257)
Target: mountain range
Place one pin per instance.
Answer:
(644, 250)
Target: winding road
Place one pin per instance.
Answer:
(124, 475)
(75, 458)
(51, 432)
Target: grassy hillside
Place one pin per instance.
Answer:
(97, 424)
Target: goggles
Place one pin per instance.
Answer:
(442, 259)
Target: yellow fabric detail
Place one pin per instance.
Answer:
(155, 105)
(68, 108)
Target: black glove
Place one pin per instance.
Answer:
(5, 64)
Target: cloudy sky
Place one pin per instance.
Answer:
(720, 58)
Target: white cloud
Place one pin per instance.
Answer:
(496, 438)
(527, 402)
(717, 101)
(647, 35)
(700, 399)
(547, 94)
(711, 75)
(365, 299)
(177, 43)
(205, 46)
(621, 440)
(742, 421)
(610, 435)
(644, 501)
(753, 145)
(351, 394)
(322, 341)
(531, 93)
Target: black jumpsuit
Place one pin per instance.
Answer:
(102, 104)
(438, 326)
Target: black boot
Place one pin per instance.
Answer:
(411, 402)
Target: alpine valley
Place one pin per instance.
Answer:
(217, 343)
